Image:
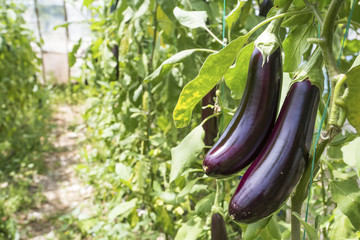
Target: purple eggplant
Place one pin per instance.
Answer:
(265, 7)
(252, 122)
(271, 178)
(210, 126)
(218, 228)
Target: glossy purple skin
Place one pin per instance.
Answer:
(252, 122)
(218, 228)
(271, 178)
(265, 7)
(210, 126)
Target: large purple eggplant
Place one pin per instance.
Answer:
(271, 178)
(252, 122)
(218, 228)
(210, 126)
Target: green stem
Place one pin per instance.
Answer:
(214, 36)
(315, 11)
(327, 35)
(355, 25)
(302, 188)
(293, 13)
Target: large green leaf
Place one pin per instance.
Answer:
(186, 152)
(168, 63)
(352, 101)
(310, 230)
(190, 19)
(295, 45)
(236, 76)
(213, 69)
(347, 195)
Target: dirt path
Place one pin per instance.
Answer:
(63, 191)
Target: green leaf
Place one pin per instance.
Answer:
(187, 188)
(342, 228)
(203, 207)
(356, 62)
(86, 3)
(236, 76)
(310, 230)
(347, 195)
(213, 69)
(273, 228)
(72, 57)
(186, 152)
(254, 229)
(295, 46)
(123, 209)
(124, 172)
(168, 63)
(234, 14)
(190, 230)
(191, 19)
(351, 154)
(352, 101)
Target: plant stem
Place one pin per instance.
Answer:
(301, 190)
(315, 11)
(213, 35)
(353, 23)
(327, 35)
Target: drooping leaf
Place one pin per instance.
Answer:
(123, 209)
(352, 101)
(346, 194)
(213, 69)
(190, 19)
(310, 230)
(203, 207)
(236, 76)
(190, 230)
(295, 45)
(187, 188)
(168, 63)
(234, 14)
(186, 152)
(253, 230)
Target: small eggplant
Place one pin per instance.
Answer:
(265, 7)
(218, 228)
(210, 126)
(271, 178)
(252, 122)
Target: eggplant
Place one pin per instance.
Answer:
(271, 178)
(253, 120)
(218, 228)
(265, 7)
(210, 126)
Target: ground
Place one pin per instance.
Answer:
(62, 189)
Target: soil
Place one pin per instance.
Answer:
(62, 190)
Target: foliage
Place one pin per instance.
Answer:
(24, 115)
(149, 182)
(137, 72)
